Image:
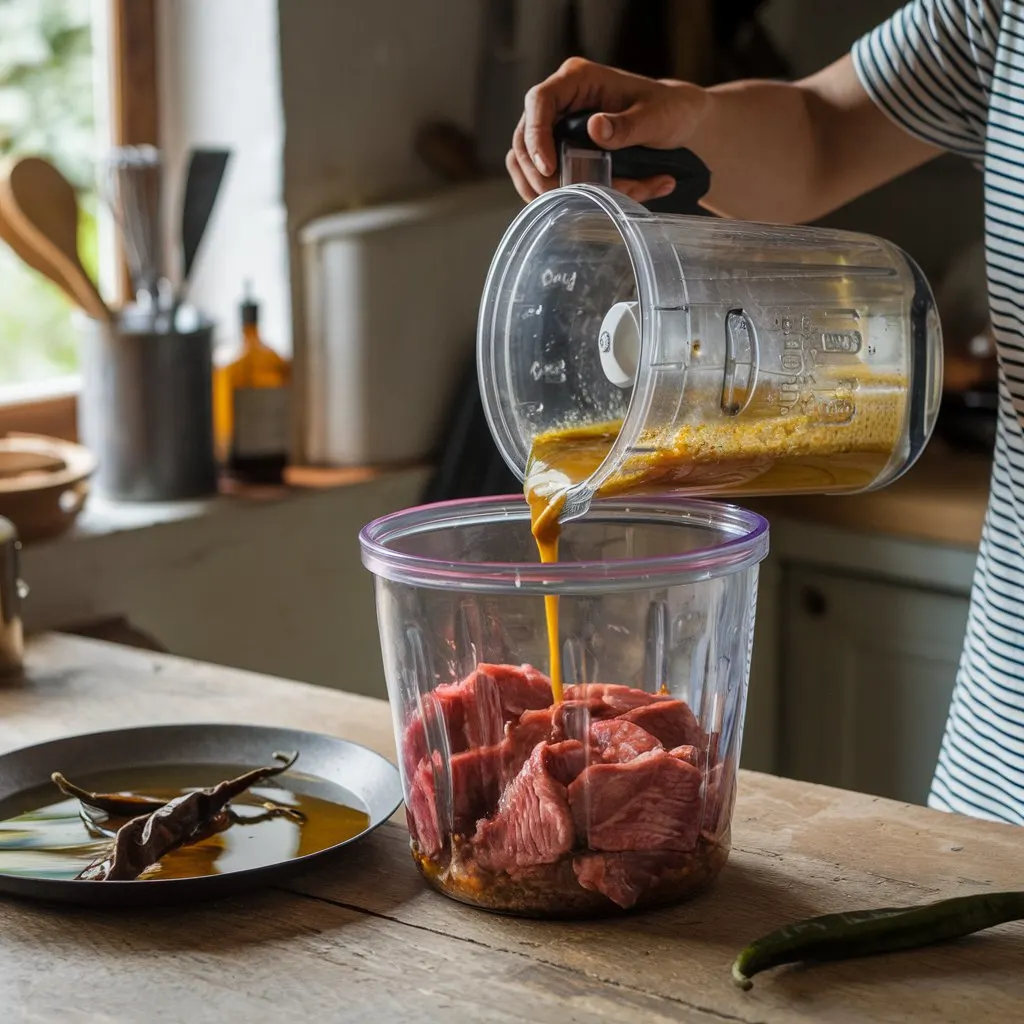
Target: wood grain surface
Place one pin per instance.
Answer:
(363, 939)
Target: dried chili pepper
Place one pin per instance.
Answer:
(225, 820)
(868, 932)
(228, 817)
(145, 839)
(131, 805)
(117, 805)
(274, 811)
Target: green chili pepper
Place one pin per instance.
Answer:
(885, 930)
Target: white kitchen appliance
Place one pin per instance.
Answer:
(391, 300)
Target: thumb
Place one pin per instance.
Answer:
(646, 123)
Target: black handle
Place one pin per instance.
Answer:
(693, 179)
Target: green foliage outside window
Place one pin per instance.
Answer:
(46, 109)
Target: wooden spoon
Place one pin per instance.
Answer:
(39, 204)
(31, 258)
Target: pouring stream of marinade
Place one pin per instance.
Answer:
(558, 460)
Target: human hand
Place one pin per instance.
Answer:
(635, 111)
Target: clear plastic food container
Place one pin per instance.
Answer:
(618, 796)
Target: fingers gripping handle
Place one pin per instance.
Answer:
(583, 160)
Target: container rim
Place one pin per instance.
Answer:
(624, 214)
(744, 544)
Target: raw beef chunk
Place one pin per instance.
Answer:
(475, 785)
(565, 760)
(473, 712)
(687, 753)
(569, 720)
(650, 803)
(533, 823)
(619, 740)
(622, 877)
(619, 698)
(521, 687)
(669, 721)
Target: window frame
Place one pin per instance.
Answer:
(51, 407)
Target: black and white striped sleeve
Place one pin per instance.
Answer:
(930, 66)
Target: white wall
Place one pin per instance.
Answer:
(276, 587)
(219, 60)
(357, 80)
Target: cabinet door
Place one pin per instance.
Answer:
(867, 673)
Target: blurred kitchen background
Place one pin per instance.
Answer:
(362, 196)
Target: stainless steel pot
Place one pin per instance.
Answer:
(12, 592)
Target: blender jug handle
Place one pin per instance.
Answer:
(583, 160)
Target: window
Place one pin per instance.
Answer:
(73, 75)
(47, 107)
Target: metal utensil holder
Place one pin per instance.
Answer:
(146, 409)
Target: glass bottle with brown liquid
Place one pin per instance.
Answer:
(251, 406)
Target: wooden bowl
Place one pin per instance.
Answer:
(44, 483)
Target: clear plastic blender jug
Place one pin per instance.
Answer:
(625, 351)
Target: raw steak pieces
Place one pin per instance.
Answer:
(612, 776)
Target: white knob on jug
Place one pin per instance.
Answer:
(619, 343)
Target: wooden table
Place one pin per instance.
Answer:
(363, 939)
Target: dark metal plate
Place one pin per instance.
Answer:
(371, 779)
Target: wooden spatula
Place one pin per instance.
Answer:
(39, 204)
(31, 258)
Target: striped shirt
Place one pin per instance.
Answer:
(952, 73)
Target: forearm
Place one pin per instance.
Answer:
(762, 144)
(777, 152)
(792, 152)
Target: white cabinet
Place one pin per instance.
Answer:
(856, 650)
(869, 667)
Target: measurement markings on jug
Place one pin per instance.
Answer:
(841, 341)
(565, 278)
(793, 362)
(834, 409)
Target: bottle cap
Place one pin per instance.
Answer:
(250, 307)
